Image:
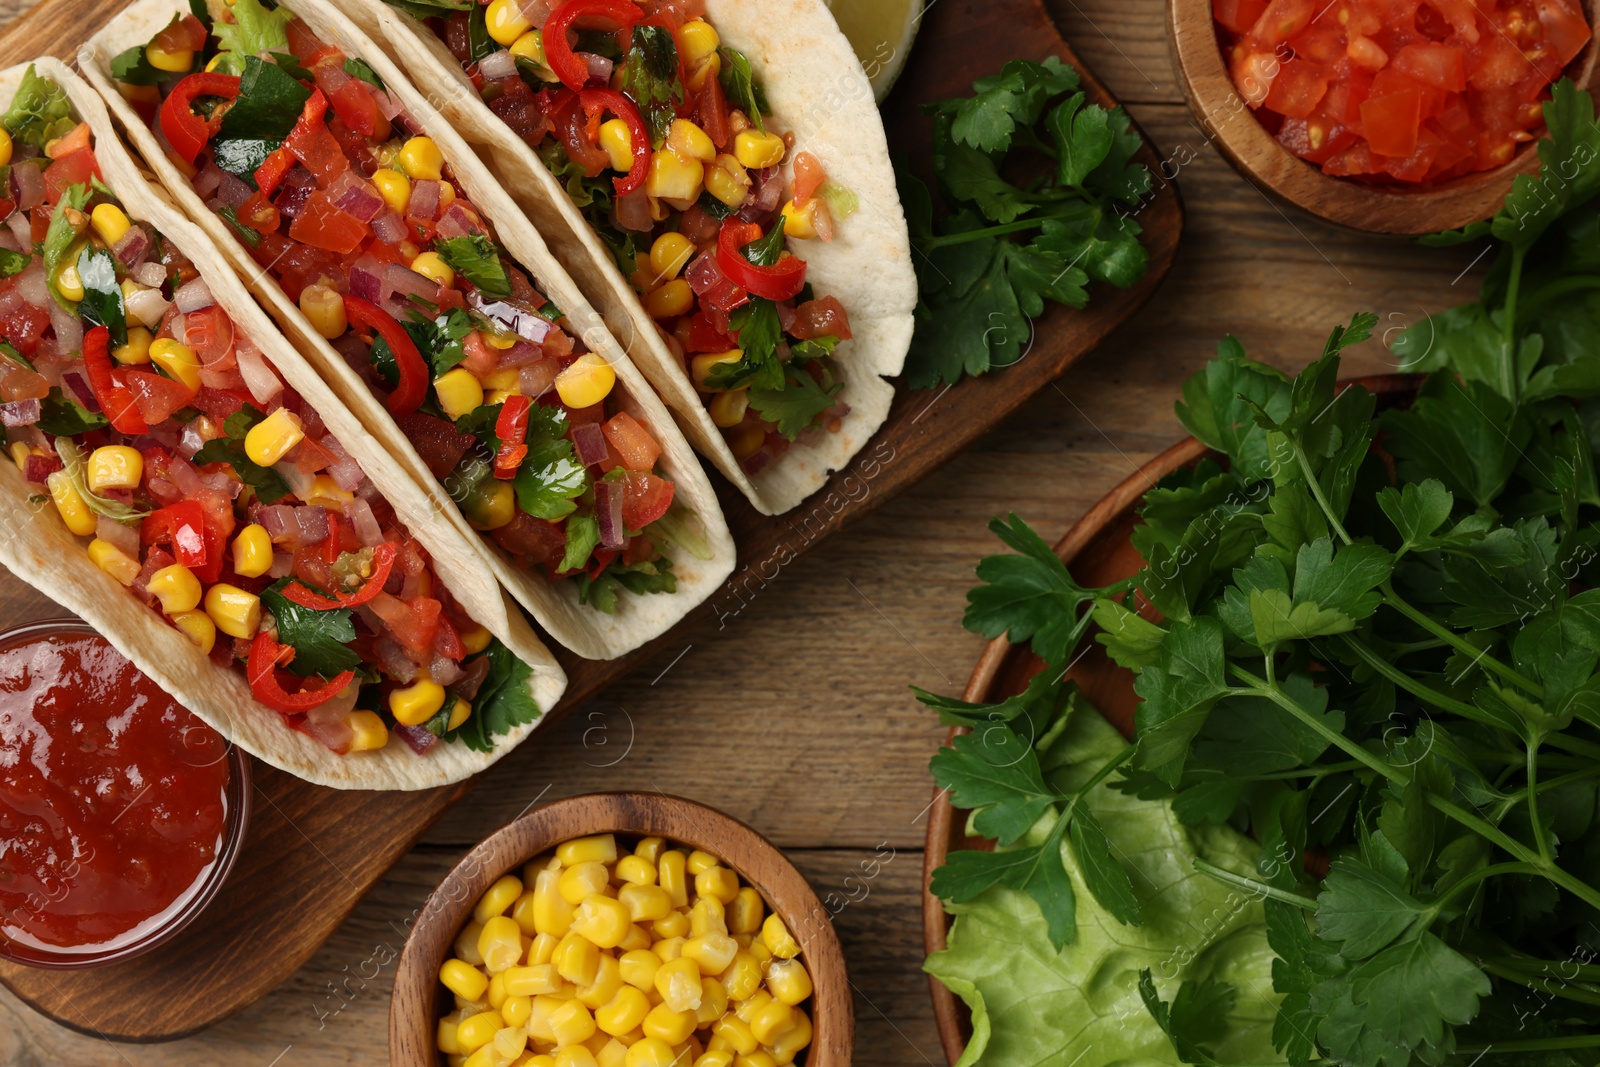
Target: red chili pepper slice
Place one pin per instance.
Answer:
(116, 400)
(780, 281)
(511, 426)
(266, 656)
(183, 527)
(185, 131)
(273, 169)
(383, 557)
(597, 102)
(413, 387)
(574, 72)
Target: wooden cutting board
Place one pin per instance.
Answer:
(312, 853)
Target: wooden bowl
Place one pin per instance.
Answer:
(419, 999)
(1255, 153)
(1097, 551)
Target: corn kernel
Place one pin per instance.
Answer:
(466, 944)
(727, 180)
(800, 221)
(675, 924)
(115, 562)
(607, 981)
(636, 870)
(577, 959)
(552, 914)
(500, 943)
(789, 981)
(19, 455)
(603, 920)
(645, 903)
(252, 551)
(475, 640)
(625, 1011)
(432, 265)
(530, 46)
(5, 145)
(755, 149)
(420, 158)
(670, 947)
(509, 1041)
(601, 848)
(572, 1024)
(748, 1007)
(137, 350)
(745, 912)
(394, 187)
(639, 967)
(735, 1034)
(690, 141)
(759, 1058)
(323, 306)
(650, 1052)
(539, 1018)
(673, 1027)
(178, 360)
(650, 848)
(498, 898)
(700, 367)
(199, 628)
(672, 873)
(698, 39)
(270, 439)
(505, 21)
(771, 1020)
(711, 952)
(703, 71)
(74, 512)
(477, 1031)
(176, 587)
(464, 980)
(367, 731)
(638, 937)
(758, 948)
(715, 1058)
(532, 981)
(458, 391)
(617, 141)
(678, 982)
(496, 996)
(114, 467)
(109, 222)
(745, 441)
(713, 1002)
(787, 1045)
(669, 300)
(582, 880)
(445, 1041)
(491, 506)
(418, 702)
(516, 1009)
(588, 380)
(707, 917)
(743, 976)
(174, 62)
(576, 1056)
(778, 939)
(68, 284)
(674, 177)
(542, 948)
(236, 612)
(718, 883)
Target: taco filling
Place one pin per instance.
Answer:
(340, 197)
(203, 483)
(662, 138)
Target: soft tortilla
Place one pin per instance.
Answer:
(588, 632)
(38, 548)
(818, 91)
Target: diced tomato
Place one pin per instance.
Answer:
(156, 397)
(1283, 19)
(1391, 122)
(1438, 65)
(1238, 15)
(823, 317)
(634, 445)
(436, 440)
(808, 176)
(220, 403)
(323, 225)
(209, 332)
(1565, 30)
(1298, 89)
(76, 141)
(24, 325)
(74, 168)
(317, 149)
(353, 103)
(705, 336)
(645, 499)
(184, 34)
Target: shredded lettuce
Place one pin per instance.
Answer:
(255, 29)
(40, 112)
(1081, 1006)
(682, 527)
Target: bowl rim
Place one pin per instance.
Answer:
(236, 824)
(950, 1017)
(433, 928)
(1202, 75)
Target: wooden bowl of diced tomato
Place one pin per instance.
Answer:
(1388, 116)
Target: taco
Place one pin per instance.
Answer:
(382, 243)
(186, 483)
(671, 151)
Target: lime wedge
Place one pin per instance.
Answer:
(881, 32)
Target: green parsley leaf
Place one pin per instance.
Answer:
(640, 579)
(583, 537)
(102, 296)
(440, 339)
(504, 701)
(62, 416)
(475, 258)
(319, 638)
(741, 87)
(132, 67)
(1029, 596)
(249, 235)
(268, 483)
(799, 404)
(1005, 102)
(360, 69)
(1197, 1016)
(550, 479)
(649, 76)
(12, 262)
(268, 106)
(430, 9)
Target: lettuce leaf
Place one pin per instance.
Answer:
(1081, 1006)
(255, 29)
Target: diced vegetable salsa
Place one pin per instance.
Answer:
(339, 195)
(203, 483)
(661, 135)
(1400, 90)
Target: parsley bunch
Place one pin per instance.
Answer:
(1371, 639)
(1025, 157)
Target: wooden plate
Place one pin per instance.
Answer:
(312, 852)
(1229, 123)
(419, 1000)
(1097, 551)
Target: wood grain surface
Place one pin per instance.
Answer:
(791, 713)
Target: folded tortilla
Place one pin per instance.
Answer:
(819, 92)
(38, 548)
(554, 604)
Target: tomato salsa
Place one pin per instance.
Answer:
(1413, 91)
(341, 197)
(114, 800)
(204, 484)
(663, 139)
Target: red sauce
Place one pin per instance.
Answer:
(112, 797)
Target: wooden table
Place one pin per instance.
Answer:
(794, 716)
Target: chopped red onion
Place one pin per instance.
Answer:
(282, 565)
(355, 196)
(455, 222)
(343, 470)
(39, 467)
(257, 373)
(313, 522)
(390, 229)
(472, 678)
(329, 723)
(178, 326)
(68, 327)
(400, 281)
(387, 104)
(294, 527)
(599, 70)
(424, 202)
(28, 181)
(74, 381)
(20, 412)
(589, 442)
(392, 659)
(21, 229)
(9, 240)
(291, 199)
(445, 670)
(364, 283)
(417, 738)
(786, 316)
(632, 212)
(522, 321)
(148, 306)
(118, 535)
(132, 247)
(152, 274)
(205, 183)
(186, 477)
(536, 379)
(359, 512)
(703, 275)
(501, 64)
(233, 191)
(536, 11)
(191, 440)
(521, 354)
(608, 510)
(193, 296)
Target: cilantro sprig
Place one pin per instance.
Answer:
(1005, 247)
